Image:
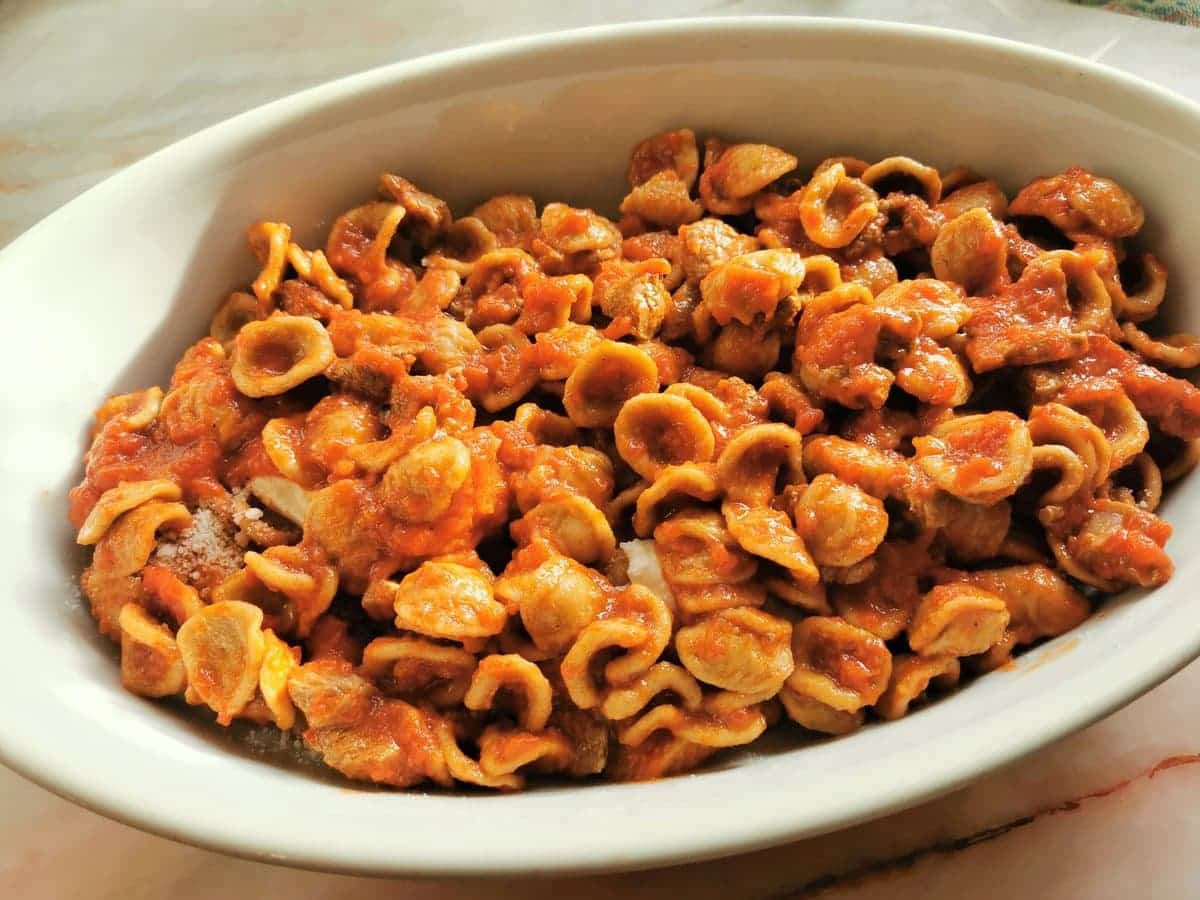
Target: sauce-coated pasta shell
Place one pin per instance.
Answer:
(695, 548)
(608, 376)
(838, 664)
(275, 355)
(238, 310)
(835, 207)
(751, 285)
(521, 679)
(674, 487)
(940, 306)
(744, 650)
(419, 667)
(556, 600)
(444, 600)
(150, 660)
(979, 458)
(119, 500)
(307, 582)
(842, 524)
(901, 173)
(1041, 603)
(751, 466)
(971, 251)
(572, 524)
(814, 715)
(503, 751)
(421, 485)
(654, 431)
(278, 663)
(911, 677)
(282, 496)
(769, 534)
(222, 647)
(127, 544)
(957, 619)
(661, 678)
(741, 171)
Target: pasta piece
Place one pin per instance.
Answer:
(628, 700)
(443, 600)
(238, 310)
(362, 735)
(275, 355)
(654, 431)
(838, 664)
(769, 534)
(752, 464)
(278, 662)
(315, 269)
(572, 524)
(978, 458)
(695, 548)
(117, 501)
(940, 306)
(502, 751)
(658, 756)
(835, 207)
(127, 544)
(269, 243)
(1079, 202)
(1113, 544)
(604, 379)
(1176, 351)
(222, 649)
(706, 727)
(981, 194)
(899, 172)
(971, 251)
(282, 496)
(307, 582)
(811, 599)
(750, 285)
(742, 170)
(1143, 304)
(814, 715)
(518, 676)
(639, 622)
(842, 525)
(836, 344)
(556, 601)
(150, 661)
(674, 487)
(421, 485)
(420, 668)
(743, 650)
(911, 677)
(958, 620)
(1054, 423)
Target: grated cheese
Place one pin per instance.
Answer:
(207, 543)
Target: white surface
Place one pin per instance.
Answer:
(1108, 846)
(554, 117)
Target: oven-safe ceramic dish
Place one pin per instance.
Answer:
(104, 295)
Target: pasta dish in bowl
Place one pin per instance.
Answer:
(533, 491)
(625, 442)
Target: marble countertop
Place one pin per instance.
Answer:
(88, 88)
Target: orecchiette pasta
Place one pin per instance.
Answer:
(534, 490)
